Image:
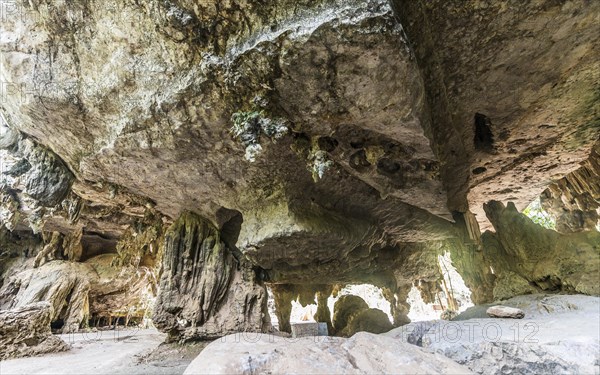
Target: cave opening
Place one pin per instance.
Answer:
(111, 322)
(484, 137)
(306, 309)
(57, 325)
(536, 212)
(230, 223)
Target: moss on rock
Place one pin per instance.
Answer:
(370, 320)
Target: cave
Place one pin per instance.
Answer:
(484, 138)
(57, 325)
(317, 186)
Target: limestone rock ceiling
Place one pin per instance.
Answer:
(336, 132)
(142, 97)
(513, 88)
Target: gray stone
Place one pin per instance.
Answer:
(505, 312)
(559, 335)
(323, 330)
(363, 353)
(305, 329)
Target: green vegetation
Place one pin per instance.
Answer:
(319, 164)
(244, 122)
(539, 216)
(248, 126)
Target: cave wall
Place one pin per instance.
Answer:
(512, 89)
(531, 258)
(83, 290)
(574, 200)
(25, 331)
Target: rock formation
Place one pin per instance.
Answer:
(523, 253)
(82, 292)
(512, 107)
(369, 320)
(344, 310)
(574, 200)
(25, 331)
(505, 312)
(120, 292)
(64, 284)
(201, 151)
(205, 291)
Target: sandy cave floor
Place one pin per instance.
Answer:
(110, 352)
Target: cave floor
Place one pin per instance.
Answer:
(110, 352)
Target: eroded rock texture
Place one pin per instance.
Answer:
(540, 257)
(305, 294)
(64, 284)
(92, 292)
(558, 335)
(311, 143)
(120, 292)
(204, 290)
(35, 180)
(574, 200)
(513, 105)
(360, 354)
(25, 331)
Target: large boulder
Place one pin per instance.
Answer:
(25, 331)
(523, 252)
(360, 354)
(97, 289)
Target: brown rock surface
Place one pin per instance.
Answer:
(25, 331)
(80, 292)
(574, 200)
(513, 105)
(120, 291)
(65, 285)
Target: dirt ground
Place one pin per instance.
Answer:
(110, 352)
